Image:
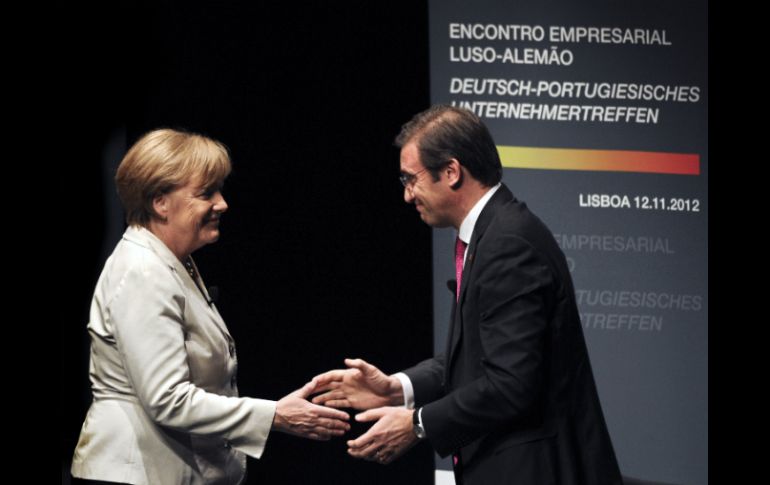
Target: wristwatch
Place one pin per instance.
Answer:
(419, 431)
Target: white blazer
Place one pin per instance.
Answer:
(165, 404)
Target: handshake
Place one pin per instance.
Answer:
(361, 386)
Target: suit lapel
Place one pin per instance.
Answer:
(500, 198)
(200, 286)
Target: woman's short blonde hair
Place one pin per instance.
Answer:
(164, 160)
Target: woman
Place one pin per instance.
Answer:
(165, 404)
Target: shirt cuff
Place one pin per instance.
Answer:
(406, 384)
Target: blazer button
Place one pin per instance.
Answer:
(232, 350)
(227, 445)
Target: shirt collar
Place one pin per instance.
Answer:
(466, 228)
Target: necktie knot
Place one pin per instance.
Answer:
(459, 258)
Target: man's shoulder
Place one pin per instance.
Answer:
(515, 216)
(514, 223)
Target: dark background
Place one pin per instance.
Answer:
(320, 258)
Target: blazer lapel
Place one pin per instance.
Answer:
(147, 238)
(200, 286)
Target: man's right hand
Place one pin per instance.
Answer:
(360, 386)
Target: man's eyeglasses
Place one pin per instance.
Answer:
(408, 179)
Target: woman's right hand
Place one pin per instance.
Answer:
(295, 415)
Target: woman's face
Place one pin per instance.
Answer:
(192, 215)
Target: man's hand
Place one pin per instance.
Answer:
(389, 438)
(296, 416)
(360, 386)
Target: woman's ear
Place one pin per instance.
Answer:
(160, 205)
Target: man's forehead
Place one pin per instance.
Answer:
(410, 157)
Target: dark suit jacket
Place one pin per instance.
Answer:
(514, 392)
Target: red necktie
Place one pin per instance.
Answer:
(459, 257)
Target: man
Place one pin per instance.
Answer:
(513, 397)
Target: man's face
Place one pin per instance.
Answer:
(430, 197)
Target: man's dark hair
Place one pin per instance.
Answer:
(444, 132)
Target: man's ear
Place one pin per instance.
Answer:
(454, 173)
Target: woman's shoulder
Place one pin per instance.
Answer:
(133, 255)
(136, 268)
